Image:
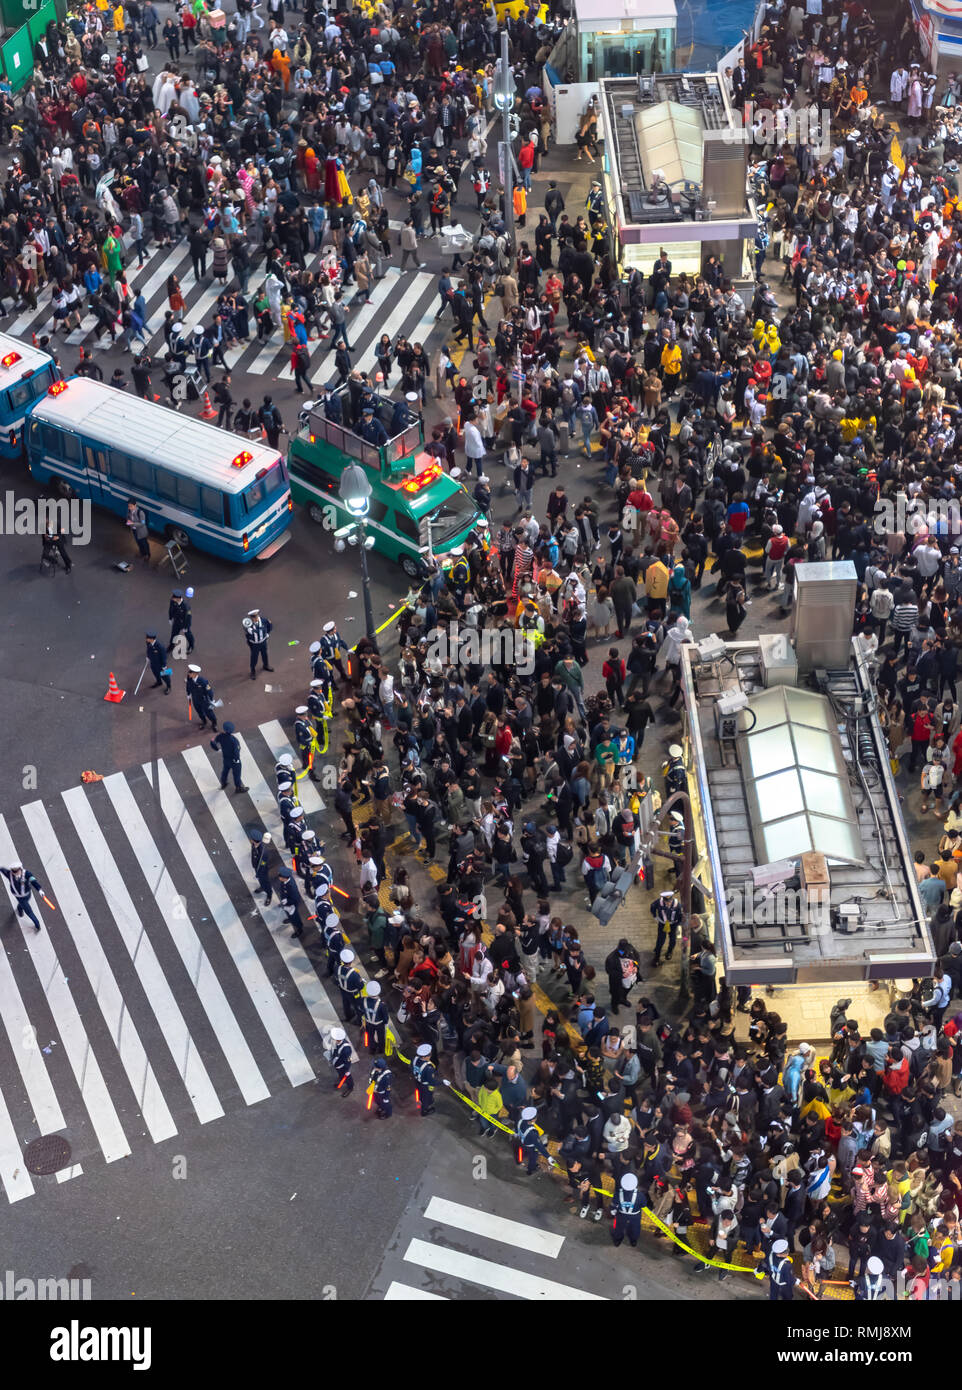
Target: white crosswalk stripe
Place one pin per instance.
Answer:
(403, 309)
(258, 986)
(152, 979)
(81, 1057)
(441, 1259)
(483, 1223)
(184, 935)
(153, 1107)
(408, 1293)
(192, 1014)
(396, 308)
(519, 1274)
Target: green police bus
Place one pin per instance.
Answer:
(417, 510)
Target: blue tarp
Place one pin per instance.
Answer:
(710, 29)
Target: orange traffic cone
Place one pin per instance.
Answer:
(208, 412)
(114, 693)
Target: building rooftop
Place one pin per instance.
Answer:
(801, 768)
(657, 122)
(659, 12)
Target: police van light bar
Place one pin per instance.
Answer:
(423, 479)
(244, 457)
(10, 359)
(56, 388)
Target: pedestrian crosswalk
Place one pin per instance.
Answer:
(401, 302)
(158, 995)
(512, 1260)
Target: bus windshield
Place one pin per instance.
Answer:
(23, 392)
(263, 488)
(452, 516)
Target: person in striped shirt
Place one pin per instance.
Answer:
(905, 616)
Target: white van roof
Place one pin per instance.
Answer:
(192, 448)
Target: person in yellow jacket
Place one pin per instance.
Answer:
(520, 199)
(670, 367)
(772, 340)
(490, 1105)
(118, 20)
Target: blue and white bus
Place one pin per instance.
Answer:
(25, 374)
(198, 485)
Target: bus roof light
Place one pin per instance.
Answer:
(56, 388)
(10, 359)
(239, 460)
(422, 480)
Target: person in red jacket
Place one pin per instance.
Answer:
(526, 163)
(614, 672)
(921, 733)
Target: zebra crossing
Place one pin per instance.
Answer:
(401, 302)
(159, 995)
(514, 1259)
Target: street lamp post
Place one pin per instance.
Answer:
(355, 493)
(504, 98)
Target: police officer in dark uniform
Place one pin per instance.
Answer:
(371, 428)
(459, 577)
(23, 884)
(340, 1057)
(425, 1077)
(380, 1080)
(373, 1017)
(666, 911)
(261, 864)
(781, 1274)
(323, 879)
(530, 1142)
(257, 630)
(676, 778)
(626, 1209)
(333, 936)
(200, 692)
(317, 704)
(290, 900)
(229, 746)
(331, 646)
(178, 611)
(333, 409)
(157, 656)
(350, 984)
(292, 832)
(305, 737)
(286, 801)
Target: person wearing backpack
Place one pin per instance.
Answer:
(270, 419)
(596, 868)
(623, 970)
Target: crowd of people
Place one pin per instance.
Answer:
(815, 421)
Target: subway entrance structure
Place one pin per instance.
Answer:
(801, 850)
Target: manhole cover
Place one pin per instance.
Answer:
(48, 1154)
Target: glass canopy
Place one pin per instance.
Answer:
(796, 780)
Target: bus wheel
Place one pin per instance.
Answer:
(411, 568)
(63, 488)
(317, 514)
(178, 534)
